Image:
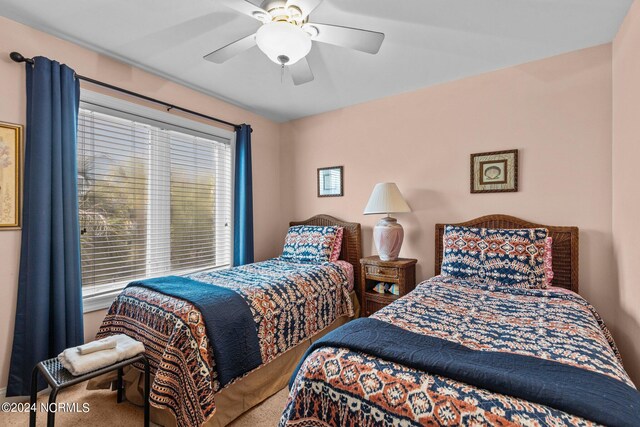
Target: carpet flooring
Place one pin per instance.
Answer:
(105, 412)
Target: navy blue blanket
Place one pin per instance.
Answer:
(230, 326)
(587, 394)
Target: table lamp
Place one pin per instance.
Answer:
(387, 234)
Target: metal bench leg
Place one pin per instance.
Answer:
(34, 397)
(119, 385)
(147, 381)
(51, 413)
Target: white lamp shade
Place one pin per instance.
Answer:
(385, 199)
(283, 43)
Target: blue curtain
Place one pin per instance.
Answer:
(243, 199)
(49, 309)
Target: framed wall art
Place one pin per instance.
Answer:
(330, 182)
(10, 175)
(494, 172)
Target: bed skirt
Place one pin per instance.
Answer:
(236, 398)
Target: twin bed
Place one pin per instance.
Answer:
(465, 351)
(456, 351)
(287, 304)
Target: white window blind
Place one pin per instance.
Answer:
(154, 200)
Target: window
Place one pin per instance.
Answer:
(155, 198)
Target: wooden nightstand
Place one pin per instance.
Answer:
(401, 272)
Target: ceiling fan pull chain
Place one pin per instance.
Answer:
(282, 74)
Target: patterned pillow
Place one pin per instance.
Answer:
(309, 243)
(508, 257)
(548, 261)
(337, 245)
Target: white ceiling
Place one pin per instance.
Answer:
(427, 42)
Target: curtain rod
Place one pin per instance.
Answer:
(17, 57)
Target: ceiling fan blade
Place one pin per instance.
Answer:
(301, 72)
(247, 8)
(232, 49)
(306, 6)
(353, 38)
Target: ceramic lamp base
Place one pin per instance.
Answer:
(388, 236)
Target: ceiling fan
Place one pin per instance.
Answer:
(286, 35)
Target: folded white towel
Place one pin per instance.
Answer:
(78, 364)
(97, 345)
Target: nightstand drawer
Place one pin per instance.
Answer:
(384, 272)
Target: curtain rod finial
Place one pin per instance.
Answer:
(17, 57)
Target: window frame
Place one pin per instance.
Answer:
(103, 296)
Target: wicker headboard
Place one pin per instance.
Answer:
(564, 252)
(351, 241)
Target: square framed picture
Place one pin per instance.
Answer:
(10, 175)
(330, 182)
(494, 172)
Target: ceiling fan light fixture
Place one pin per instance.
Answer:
(283, 42)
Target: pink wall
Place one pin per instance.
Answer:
(556, 111)
(626, 175)
(265, 139)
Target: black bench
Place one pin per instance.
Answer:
(59, 378)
